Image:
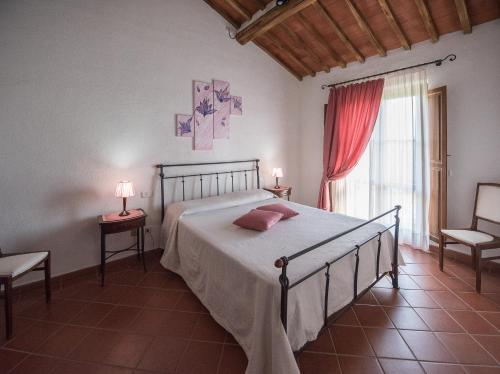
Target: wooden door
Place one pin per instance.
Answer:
(438, 158)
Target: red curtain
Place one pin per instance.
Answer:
(350, 117)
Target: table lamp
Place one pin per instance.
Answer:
(278, 173)
(124, 189)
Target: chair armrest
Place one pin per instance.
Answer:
(21, 253)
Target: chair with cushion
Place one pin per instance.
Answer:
(13, 266)
(487, 208)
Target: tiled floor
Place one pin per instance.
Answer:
(151, 322)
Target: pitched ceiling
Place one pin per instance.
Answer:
(309, 36)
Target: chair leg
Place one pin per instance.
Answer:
(478, 270)
(473, 255)
(8, 306)
(48, 288)
(441, 251)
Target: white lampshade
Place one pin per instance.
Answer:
(124, 189)
(278, 172)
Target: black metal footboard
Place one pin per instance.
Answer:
(284, 261)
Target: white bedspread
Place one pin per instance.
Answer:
(231, 270)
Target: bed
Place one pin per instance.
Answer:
(273, 291)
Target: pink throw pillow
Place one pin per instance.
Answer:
(259, 220)
(279, 208)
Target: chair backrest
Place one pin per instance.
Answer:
(487, 205)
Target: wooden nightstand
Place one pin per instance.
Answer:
(281, 191)
(112, 224)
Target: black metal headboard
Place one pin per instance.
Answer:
(163, 168)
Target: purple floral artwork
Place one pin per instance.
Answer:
(236, 105)
(222, 106)
(184, 126)
(203, 116)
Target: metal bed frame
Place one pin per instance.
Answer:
(283, 262)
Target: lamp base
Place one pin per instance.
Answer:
(124, 213)
(277, 184)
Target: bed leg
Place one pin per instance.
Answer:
(283, 263)
(395, 270)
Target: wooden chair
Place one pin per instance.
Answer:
(487, 208)
(13, 266)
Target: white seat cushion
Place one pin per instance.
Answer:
(18, 264)
(469, 236)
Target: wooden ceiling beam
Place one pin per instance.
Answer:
(393, 22)
(463, 14)
(324, 43)
(296, 38)
(427, 19)
(278, 60)
(239, 9)
(270, 19)
(289, 53)
(262, 4)
(224, 14)
(366, 28)
(324, 12)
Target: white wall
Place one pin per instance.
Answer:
(88, 94)
(473, 87)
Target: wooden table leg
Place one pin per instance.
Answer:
(103, 257)
(8, 306)
(142, 249)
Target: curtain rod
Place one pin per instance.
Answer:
(451, 57)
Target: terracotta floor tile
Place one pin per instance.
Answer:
(127, 277)
(491, 343)
(234, 360)
(113, 293)
(57, 310)
(428, 283)
(347, 318)
(461, 271)
(465, 349)
(36, 365)
(164, 299)
(456, 284)
(137, 296)
(482, 369)
(200, 357)
(33, 336)
(63, 341)
(418, 299)
(407, 283)
(179, 324)
(400, 366)
(92, 314)
(9, 359)
(351, 341)
(479, 302)
(448, 300)
(159, 280)
(438, 320)
(426, 346)
(388, 343)
(112, 348)
(405, 318)
(150, 321)
(120, 318)
(317, 363)
(209, 330)
(435, 368)
(323, 343)
(389, 297)
(163, 355)
(368, 299)
(414, 269)
(493, 318)
(372, 316)
(359, 365)
(190, 303)
(84, 292)
(472, 322)
(70, 367)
